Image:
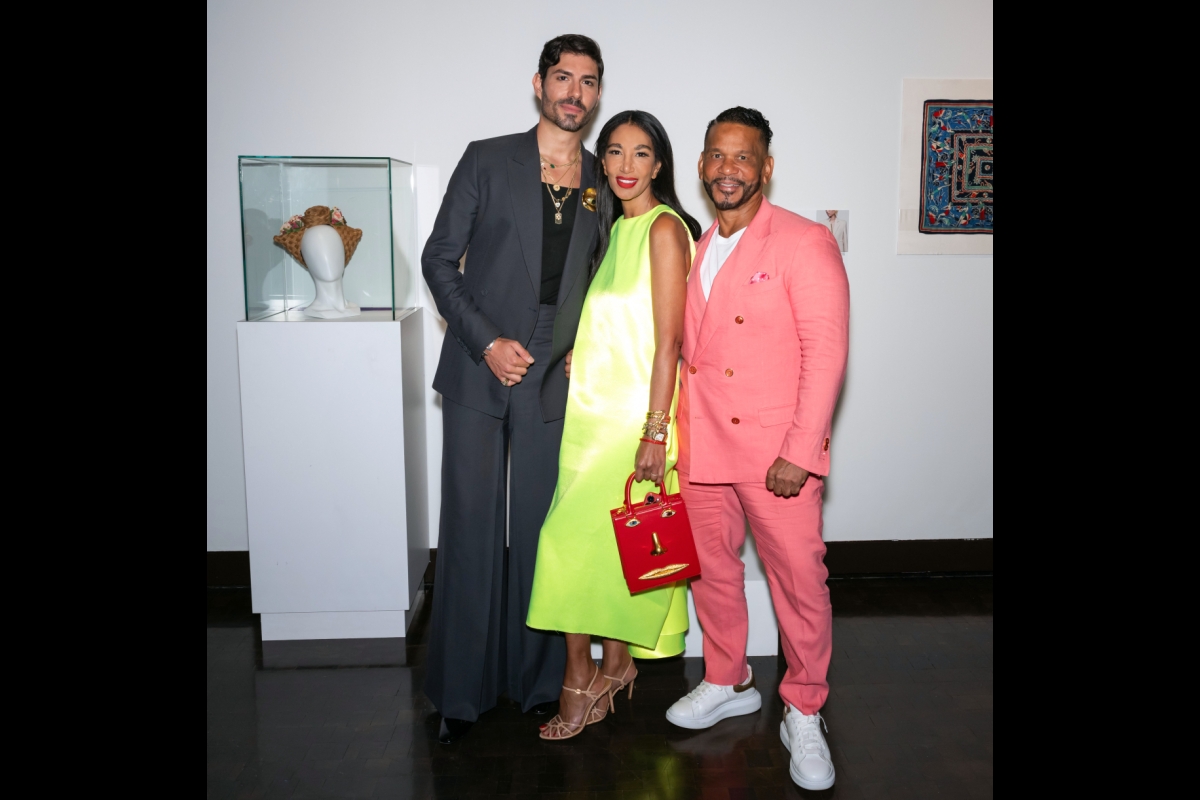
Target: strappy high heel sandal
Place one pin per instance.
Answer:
(597, 713)
(558, 729)
(620, 683)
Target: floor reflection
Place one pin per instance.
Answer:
(910, 714)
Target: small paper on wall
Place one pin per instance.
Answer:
(836, 220)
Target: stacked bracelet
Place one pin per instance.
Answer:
(655, 428)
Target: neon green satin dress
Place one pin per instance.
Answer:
(578, 586)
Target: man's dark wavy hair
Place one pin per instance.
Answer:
(575, 43)
(750, 117)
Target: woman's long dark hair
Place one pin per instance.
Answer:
(608, 207)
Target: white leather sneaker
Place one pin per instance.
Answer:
(812, 766)
(708, 704)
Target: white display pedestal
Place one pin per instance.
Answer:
(333, 431)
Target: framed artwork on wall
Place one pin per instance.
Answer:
(946, 169)
(956, 167)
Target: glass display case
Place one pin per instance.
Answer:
(376, 195)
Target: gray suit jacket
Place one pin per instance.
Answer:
(493, 206)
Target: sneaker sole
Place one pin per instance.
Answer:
(801, 781)
(734, 708)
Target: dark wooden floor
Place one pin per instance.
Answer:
(909, 714)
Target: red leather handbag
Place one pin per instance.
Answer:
(655, 540)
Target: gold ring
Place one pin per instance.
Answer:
(504, 381)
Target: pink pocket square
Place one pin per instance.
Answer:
(759, 277)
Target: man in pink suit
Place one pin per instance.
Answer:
(764, 354)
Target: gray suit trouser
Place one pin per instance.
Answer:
(479, 645)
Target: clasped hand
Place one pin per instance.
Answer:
(508, 361)
(650, 462)
(785, 479)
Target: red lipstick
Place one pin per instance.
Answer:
(626, 183)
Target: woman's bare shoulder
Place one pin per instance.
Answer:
(668, 229)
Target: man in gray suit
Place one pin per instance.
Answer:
(519, 207)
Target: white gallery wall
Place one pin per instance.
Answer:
(912, 444)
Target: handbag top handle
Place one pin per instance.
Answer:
(662, 488)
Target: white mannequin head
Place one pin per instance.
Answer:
(325, 257)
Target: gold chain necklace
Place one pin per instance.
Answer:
(559, 203)
(546, 162)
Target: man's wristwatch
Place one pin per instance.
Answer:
(488, 349)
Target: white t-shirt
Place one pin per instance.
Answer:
(718, 251)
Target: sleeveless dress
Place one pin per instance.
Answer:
(578, 586)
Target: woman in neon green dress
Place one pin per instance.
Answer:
(623, 374)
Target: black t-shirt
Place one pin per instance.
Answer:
(555, 241)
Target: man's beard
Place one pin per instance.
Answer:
(748, 191)
(567, 123)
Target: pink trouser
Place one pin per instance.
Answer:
(788, 535)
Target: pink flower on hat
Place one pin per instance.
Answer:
(294, 224)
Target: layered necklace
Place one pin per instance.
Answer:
(553, 186)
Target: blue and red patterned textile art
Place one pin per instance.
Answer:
(956, 167)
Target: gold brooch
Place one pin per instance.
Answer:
(589, 199)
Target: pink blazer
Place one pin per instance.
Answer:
(764, 357)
